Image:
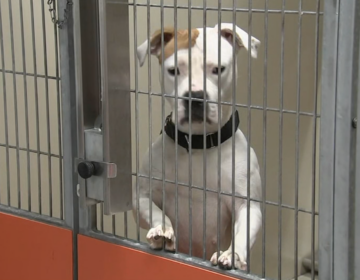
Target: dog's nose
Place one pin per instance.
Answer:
(197, 105)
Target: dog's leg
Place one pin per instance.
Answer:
(240, 257)
(157, 233)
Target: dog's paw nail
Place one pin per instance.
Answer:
(168, 235)
(243, 265)
(214, 258)
(170, 240)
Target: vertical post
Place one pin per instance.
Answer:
(357, 192)
(357, 185)
(69, 128)
(357, 179)
(88, 107)
(338, 138)
(327, 141)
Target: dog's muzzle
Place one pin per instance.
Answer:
(197, 107)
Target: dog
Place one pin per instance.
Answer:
(162, 233)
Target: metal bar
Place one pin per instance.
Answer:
(36, 105)
(47, 110)
(87, 91)
(190, 130)
(347, 75)
(296, 213)
(115, 86)
(163, 113)
(26, 105)
(204, 132)
(238, 10)
(113, 224)
(136, 125)
(340, 73)
(229, 194)
(5, 108)
(102, 217)
(266, 28)
(150, 112)
(70, 56)
(327, 141)
(32, 216)
(248, 141)
(183, 258)
(314, 162)
(88, 100)
(58, 100)
(176, 130)
(357, 182)
(253, 107)
(90, 62)
(15, 104)
(30, 150)
(219, 136)
(233, 101)
(281, 105)
(126, 225)
(28, 74)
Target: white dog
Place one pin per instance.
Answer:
(159, 232)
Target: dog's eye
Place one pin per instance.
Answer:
(216, 70)
(172, 71)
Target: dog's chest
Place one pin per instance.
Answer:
(199, 170)
(191, 202)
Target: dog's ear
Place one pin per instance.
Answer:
(241, 38)
(155, 44)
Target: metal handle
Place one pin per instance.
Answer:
(86, 169)
(106, 122)
(116, 102)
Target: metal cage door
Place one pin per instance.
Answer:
(104, 93)
(38, 204)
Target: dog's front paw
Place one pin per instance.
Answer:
(225, 260)
(156, 237)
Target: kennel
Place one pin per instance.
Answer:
(69, 73)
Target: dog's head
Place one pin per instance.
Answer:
(194, 86)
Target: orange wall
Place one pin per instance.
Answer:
(31, 250)
(99, 260)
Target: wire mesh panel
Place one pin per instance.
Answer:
(31, 169)
(277, 97)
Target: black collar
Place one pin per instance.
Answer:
(197, 141)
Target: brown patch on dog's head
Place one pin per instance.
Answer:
(169, 41)
(229, 34)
